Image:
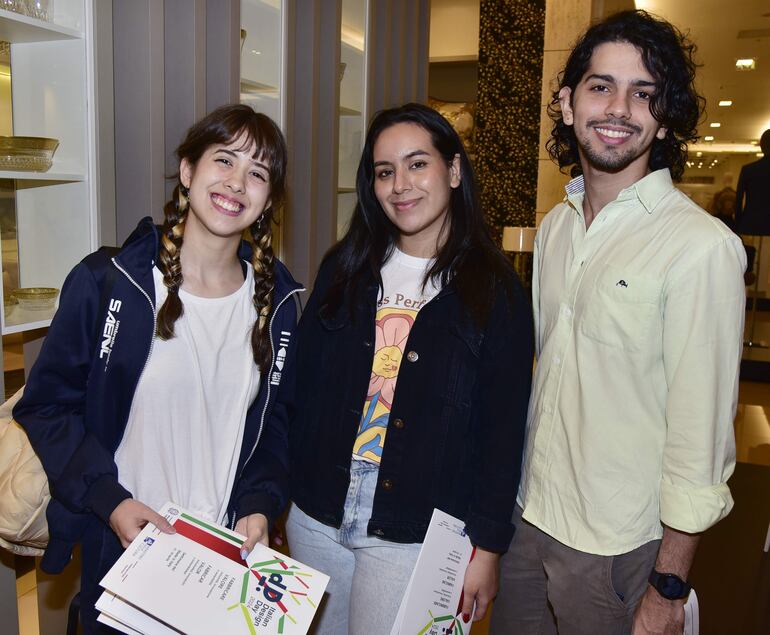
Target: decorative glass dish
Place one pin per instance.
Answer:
(40, 9)
(8, 303)
(36, 298)
(33, 154)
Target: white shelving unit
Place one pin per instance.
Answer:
(53, 95)
(53, 92)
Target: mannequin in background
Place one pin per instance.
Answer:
(752, 203)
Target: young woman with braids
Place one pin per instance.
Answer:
(414, 366)
(160, 375)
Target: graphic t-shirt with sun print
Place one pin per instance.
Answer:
(402, 297)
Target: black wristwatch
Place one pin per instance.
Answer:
(670, 586)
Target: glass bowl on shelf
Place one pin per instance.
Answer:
(40, 9)
(29, 154)
(36, 298)
(9, 301)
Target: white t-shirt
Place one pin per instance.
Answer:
(403, 296)
(187, 418)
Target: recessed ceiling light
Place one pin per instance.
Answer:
(708, 138)
(745, 64)
(754, 143)
(760, 154)
(715, 124)
(726, 102)
(698, 154)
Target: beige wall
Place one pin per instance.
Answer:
(565, 20)
(6, 118)
(454, 30)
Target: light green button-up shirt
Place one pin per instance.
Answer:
(639, 329)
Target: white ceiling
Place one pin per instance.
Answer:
(715, 26)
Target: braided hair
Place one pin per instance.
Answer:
(223, 126)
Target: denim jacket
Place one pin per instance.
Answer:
(456, 426)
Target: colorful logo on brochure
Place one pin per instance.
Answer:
(442, 625)
(278, 582)
(280, 585)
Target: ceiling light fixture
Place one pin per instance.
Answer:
(699, 154)
(708, 138)
(715, 124)
(745, 64)
(726, 102)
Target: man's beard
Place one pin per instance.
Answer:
(611, 158)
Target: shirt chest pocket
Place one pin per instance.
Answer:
(622, 310)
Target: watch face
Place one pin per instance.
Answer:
(669, 585)
(672, 586)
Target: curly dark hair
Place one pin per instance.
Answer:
(667, 55)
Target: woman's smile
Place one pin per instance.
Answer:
(226, 205)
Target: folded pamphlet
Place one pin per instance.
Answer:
(195, 582)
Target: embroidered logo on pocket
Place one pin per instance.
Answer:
(621, 283)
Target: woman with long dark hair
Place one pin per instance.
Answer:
(159, 376)
(414, 369)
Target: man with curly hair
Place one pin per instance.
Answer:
(639, 305)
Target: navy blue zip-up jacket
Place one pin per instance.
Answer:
(456, 427)
(78, 395)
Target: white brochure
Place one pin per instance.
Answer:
(691, 615)
(195, 582)
(432, 599)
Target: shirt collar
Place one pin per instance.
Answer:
(648, 190)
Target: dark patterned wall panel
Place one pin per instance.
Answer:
(508, 116)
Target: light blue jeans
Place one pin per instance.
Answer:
(368, 575)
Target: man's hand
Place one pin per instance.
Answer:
(130, 517)
(655, 614)
(480, 584)
(254, 527)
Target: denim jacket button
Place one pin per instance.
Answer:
(398, 423)
(387, 485)
(412, 356)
